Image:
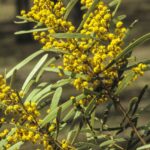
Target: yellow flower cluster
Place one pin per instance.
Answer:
(8, 97)
(87, 56)
(91, 56)
(30, 135)
(23, 116)
(65, 145)
(139, 70)
(50, 15)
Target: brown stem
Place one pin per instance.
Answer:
(131, 123)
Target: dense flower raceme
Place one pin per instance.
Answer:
(24, 119)
(87, 56)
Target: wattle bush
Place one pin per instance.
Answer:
(94, 58)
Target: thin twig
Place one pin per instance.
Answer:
(118, 146)
(131, 123)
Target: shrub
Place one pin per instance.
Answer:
(94, 58)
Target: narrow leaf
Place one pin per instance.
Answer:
(74, 128)
(40, 73)
(13, 77)
(125, 82)
(69, 7)
(61, 83)
(71, 36)
(145, 147)
(139, 99)
(36, 90)
(42, 92)
(24, 62)
(56, 50)
(58, 122)
(107, 143)
(30, 84)
(21, 22)
(56, 98)
(43, 97)
(90, 107)
(119, 18)
(64, 106)
(16, 146)
(69, 115)
(113, 3)
(31, 31)
(34, 71)
(67, 73)
(48, 118)
(86, 146)
(117, 7)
